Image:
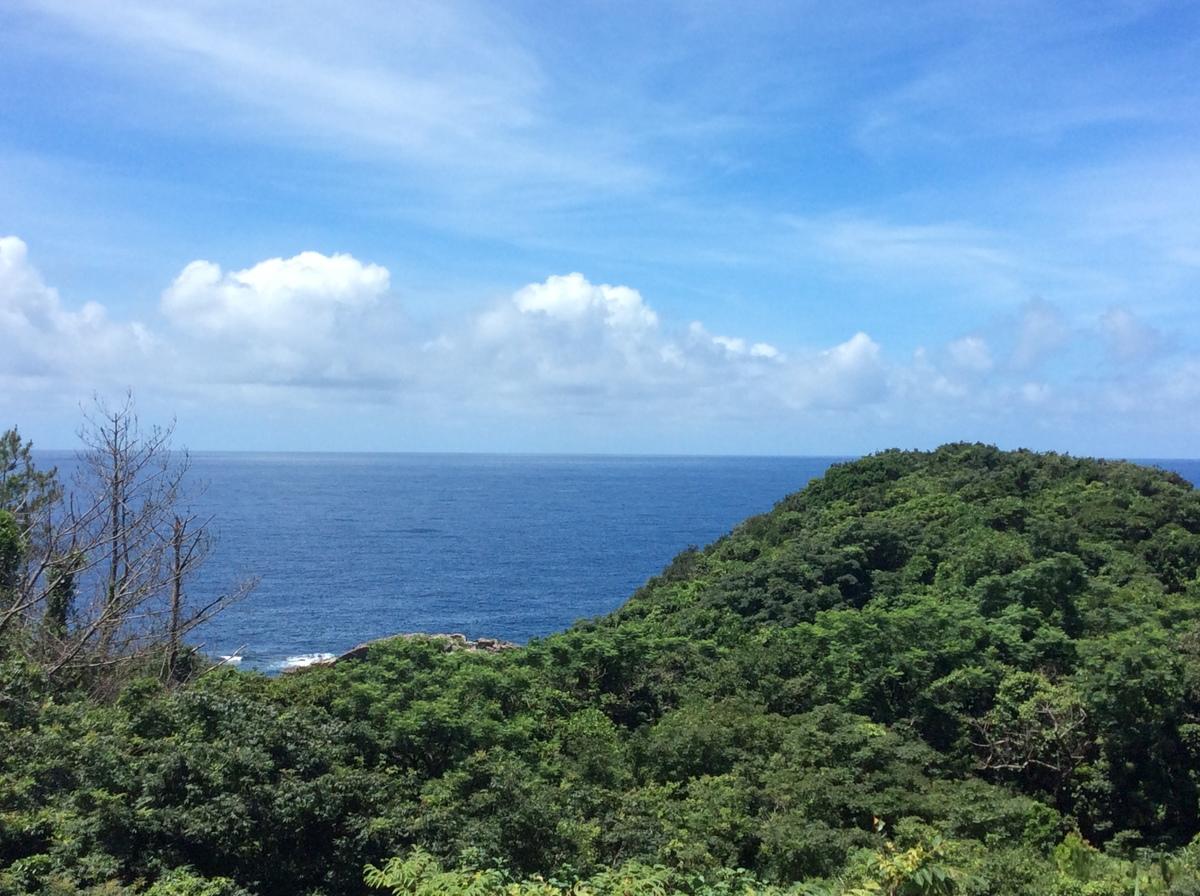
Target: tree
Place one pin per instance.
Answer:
(24, 490)
(27, 499)
(1036, 734)
(105, 562)
(60, 594)
(190, 543)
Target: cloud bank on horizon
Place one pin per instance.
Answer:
(316, 330)
(663, 228)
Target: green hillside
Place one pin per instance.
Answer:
(961, 671)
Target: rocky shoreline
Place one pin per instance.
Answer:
(453, 641)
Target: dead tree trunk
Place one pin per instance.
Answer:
(178, 570)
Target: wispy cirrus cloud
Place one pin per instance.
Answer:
(447, 87)
(1028, 73)
(778, 214)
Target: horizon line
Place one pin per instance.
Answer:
(665, 455)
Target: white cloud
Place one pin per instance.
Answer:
(1041, 331)
(940, 252)
(44, 339)
(731, 346)
(912, 245)
(566, 339)
(1035, 393)
(309, 321)
(971, 353)
(1127, 338)
(1026, 73)
(1165, 397)
(575, 346)
(764, 350)
(448, 86)
(396, 80)
(960, 261)
(1182, 386)
(288, 297)
(847, 375)
(573, 298)
(315, 331)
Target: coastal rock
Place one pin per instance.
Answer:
(452, 641)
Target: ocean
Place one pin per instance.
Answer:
(349, 547)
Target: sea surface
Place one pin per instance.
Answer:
(349, 547)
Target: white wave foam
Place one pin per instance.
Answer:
(231, 660)
(306, 659)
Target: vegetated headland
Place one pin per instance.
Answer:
(959, 671)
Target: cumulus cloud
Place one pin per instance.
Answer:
(732, 347)
(971, 353)
(848, 375)
(312, 318)
(278, 296)
(296, 328)
(564, 335)
(43, 338)
(587, 346)
(572, 298)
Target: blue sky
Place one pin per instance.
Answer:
(697, 227)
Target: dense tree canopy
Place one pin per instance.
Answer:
(962, 671)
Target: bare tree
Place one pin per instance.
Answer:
(1036, 734)
(190, 543)
(108, 570)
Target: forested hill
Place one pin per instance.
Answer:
(965, 593)
(963, 671)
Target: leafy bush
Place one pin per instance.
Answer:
(961, 671)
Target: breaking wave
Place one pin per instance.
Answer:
(299, 661)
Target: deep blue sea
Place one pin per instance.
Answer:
(349, 547)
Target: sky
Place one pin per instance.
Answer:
(630, 227)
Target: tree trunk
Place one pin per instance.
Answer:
(178, 568)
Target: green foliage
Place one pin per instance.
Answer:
(12, 549)
(921, 870)
(962, 671)
(918, 871)
(24, 489)
(182, 882)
